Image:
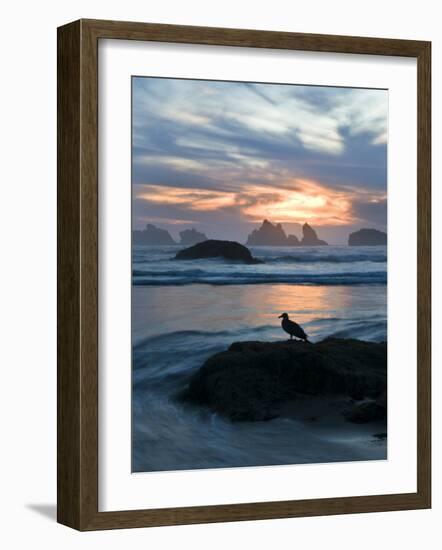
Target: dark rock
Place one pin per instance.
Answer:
(191, 236)
(367, 237)
(152, 235)
(251, 380)
(270, 235)
(229, 250)
(310, 238)
(292, 240)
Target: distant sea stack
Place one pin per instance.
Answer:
(310, 238)
(271, 235)
(268, 235)
(292, 240)
(228, 250)
(367, 237)
(191, 236)
(152, 235)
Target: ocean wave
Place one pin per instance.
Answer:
(178, 335)
(169, 272)
(154, 358)
(363, 329)
(237, 278)
(329, 259)
(349, 325)
(285, 258)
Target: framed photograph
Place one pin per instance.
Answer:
(243, 274)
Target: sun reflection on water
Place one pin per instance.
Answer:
(219, 308)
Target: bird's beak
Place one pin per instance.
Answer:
(280, 317)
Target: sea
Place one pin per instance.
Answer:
(185, 311)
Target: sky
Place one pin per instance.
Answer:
(223, 156)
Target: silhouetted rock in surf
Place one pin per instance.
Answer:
(310, 238)
(191, 236)
(152, 235)
(268, 235)
(251, 380)
(367, 237)
(292, 240)
(229, 250)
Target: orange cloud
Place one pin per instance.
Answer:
(170, 221)
(189, 198)
(300, 201)
(294, 201)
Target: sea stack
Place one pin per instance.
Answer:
(191, 236)
(152, 235)
(228, 250)
(268, 235)
(292, 240)
(310, 238)
(367, 237)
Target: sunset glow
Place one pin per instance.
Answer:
(305, 201)
(191, 199)
(224, 156)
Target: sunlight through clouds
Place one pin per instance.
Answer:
(246, 151)
(292, 202)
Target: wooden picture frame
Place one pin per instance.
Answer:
(78, 274)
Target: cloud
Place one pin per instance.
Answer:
(186, 198)
(372, 211)
(315, 114)
(164, 220)
(241, 149)
(293, 201)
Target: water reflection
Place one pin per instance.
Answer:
(159, 310)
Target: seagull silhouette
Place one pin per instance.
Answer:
(292, 328)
